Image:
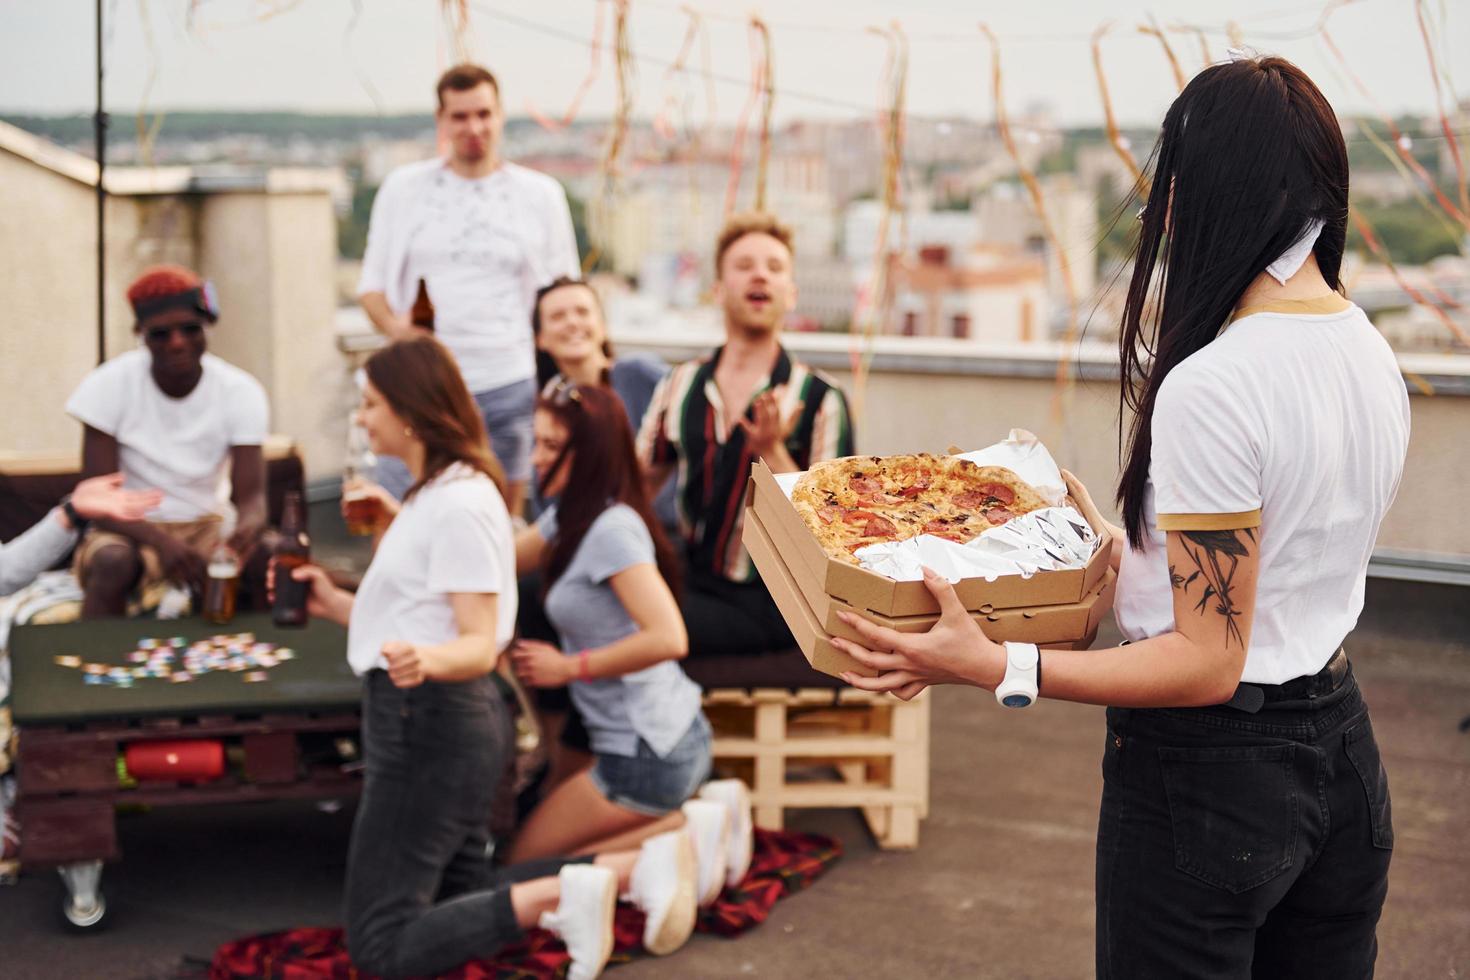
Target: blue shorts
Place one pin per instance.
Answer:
(507, 414)
(651, 784)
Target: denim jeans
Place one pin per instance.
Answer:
(725, 618)
(422, 896)
(1243, 845)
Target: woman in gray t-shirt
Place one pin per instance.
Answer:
(609, 574)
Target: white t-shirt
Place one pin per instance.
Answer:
(483, 247)
(453, 536)
(1295, 424)
(178, 445)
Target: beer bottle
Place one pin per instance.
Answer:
(223, 585)
(422, 314)
(292, 551)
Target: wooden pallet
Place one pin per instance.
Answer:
(823, 748)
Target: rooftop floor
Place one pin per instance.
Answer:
(1001, 885)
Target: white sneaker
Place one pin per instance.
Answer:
(584, 917)
(709, 829)
(733, 795)
(664, 885)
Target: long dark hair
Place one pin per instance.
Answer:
(422, 384)
(1249, 154)
(604, 471)
(546, 368)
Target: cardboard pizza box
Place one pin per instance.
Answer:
(1065, 626)
(874, 593)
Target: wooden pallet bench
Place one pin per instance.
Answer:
(813, 747)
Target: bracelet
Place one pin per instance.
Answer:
(1038, 672)
(584, 669)
(78, 522)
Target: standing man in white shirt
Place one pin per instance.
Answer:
(174, 418)
(483, 235)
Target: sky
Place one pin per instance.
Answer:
(367, 56)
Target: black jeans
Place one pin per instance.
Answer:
(422, 896)
(724, 618)
(1243, 845)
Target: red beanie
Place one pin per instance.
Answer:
(163, 287)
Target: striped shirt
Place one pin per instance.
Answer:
(685, 425)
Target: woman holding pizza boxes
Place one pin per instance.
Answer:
(1245, 823)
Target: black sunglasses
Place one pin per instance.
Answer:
(159, 335)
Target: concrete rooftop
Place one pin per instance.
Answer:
(1001, 885)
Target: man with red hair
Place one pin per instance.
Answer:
(170, 416)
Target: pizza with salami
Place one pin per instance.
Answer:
(861, 500)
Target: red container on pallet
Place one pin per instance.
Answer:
(194, 760)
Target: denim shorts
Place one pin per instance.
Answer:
(507, 413)
(651, 784)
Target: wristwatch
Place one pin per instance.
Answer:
(1023, 667)
(78, 522)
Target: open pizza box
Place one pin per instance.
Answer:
(872, 593)
(812, 614)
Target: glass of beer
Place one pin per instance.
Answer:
(361, 508)
(223, 585)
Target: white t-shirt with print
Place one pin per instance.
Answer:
(483, 246)
(1296, 425)
(453, 536)
(178, 445)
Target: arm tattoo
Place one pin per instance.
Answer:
(1215, 556)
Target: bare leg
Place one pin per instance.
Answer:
(621, 863)
(566, 762)
(530, 898)
(629, 840)
(574, 815)
(111, 574)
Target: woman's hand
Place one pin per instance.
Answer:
(104, 497)
(323, 599)
(1088, 509)
(367, 488)
(406, 664)
(541, 664)
(954, 651)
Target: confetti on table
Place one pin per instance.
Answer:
(179, 661)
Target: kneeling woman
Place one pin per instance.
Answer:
(425, 629)
(609, 574)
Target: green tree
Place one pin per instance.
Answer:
(1410, 234)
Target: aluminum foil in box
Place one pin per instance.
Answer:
(1050, 539)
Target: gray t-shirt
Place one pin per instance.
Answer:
(658, 703)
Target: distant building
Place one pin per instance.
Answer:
(987, 294)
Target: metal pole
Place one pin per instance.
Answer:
(99, 128)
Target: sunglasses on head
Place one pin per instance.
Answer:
(159, 335)
(565, 391)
